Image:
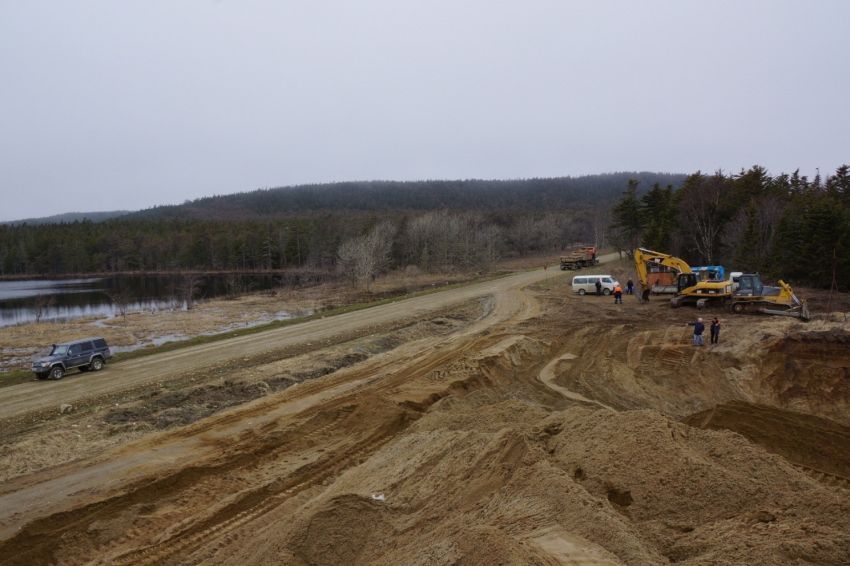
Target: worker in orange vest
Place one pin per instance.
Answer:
(618, 295)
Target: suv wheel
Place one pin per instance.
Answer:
(56, 372)
(96, 364)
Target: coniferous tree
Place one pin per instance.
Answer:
(628, 221)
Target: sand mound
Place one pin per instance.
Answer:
(344, 530)
(476, 481)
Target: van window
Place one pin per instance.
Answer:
(580, 281)
(607, 280)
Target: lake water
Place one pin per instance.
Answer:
(67, 299)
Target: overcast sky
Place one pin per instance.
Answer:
(124, 105)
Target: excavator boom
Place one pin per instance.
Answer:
(678, 279)
(688, 289)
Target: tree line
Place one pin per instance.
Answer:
(433, 241)
(434, 225)
(784, 226)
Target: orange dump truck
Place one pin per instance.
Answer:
(578, 257)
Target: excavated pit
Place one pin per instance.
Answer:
(812, 442)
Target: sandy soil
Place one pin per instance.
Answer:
(511, 423)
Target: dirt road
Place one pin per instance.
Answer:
(34, 396)
(547, 430)
(75, 486)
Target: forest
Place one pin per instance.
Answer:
(434, 225)
(784, 226)
(525, 195)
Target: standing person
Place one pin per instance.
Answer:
(630, 287)
(699, 328)
(715, 330)
(618, 295)
(598, 286)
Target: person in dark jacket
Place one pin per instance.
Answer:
(598, 287)
(715, 330)
(699, 328)
(630, 287)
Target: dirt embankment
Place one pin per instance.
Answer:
(816, 444)
(88, 427)
(552, 430)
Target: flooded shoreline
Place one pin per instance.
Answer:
(149, 328)
(66, 300)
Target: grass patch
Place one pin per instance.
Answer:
(16, 377)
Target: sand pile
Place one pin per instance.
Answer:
(477, 481)
(503, 471)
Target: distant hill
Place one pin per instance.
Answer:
(376, 196)
(70, 217)
(458, 225)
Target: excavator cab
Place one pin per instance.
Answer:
(749, 285)
(686, 280)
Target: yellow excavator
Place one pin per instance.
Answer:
(683, 283)
(745, 294)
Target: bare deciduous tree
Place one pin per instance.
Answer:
(600, 220)
(189, 284)
(121, 300)
(42, 304)
(364, 257)
(701, 212)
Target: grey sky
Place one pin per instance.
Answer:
(108, 105)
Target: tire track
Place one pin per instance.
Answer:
(251, 506)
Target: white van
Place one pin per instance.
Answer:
(584, 284)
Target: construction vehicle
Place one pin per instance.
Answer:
(678, 279)
(710, 272)
(661, 280)
(578, 257)
(753, 296)
(746, 294)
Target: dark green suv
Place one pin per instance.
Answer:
(86, 354)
